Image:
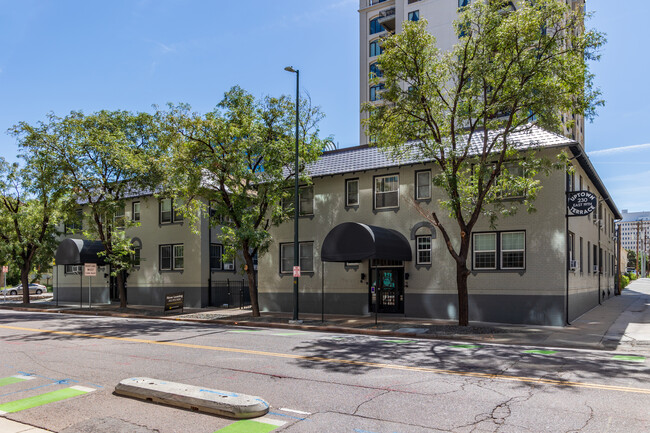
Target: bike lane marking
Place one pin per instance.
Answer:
(42, 399)
(14, 379)
(260, 425)
(495, 376)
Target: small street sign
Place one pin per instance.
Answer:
(296, 271)
(5, 269)
(90, 269)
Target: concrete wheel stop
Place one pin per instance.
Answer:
(196, 398)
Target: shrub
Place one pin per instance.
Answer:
(624, 281)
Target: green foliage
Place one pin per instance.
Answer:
(236, 163)
(104, 158)
(625, 280)
(632, 276)
(31, 205)
(509, 71)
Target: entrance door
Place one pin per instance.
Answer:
(389, 286)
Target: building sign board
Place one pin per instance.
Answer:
(90, 269)
(581, 203)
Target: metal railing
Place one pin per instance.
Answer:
(231, 294)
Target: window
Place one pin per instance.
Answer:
(387, 191)
(118, 218)
(423, 246)
(588, 257)
(514, 170)
(171, 257)
(216, 252)
(375, 92)
(76, 225)
(178, 256)
(375, 27)
(414, 16)
(572, 247)
(375, 72)
(463, 3)
(72, 269)
(135, 213)
(352, 192)
(485, 251)
(375, 48)
(595, 249)
(423, 185)
(306, 254)
(305, 200)
(168, 213)
(513, 250)
(137, 252)
(581, 260)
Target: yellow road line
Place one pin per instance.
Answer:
(344, 361)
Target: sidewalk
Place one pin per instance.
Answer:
(620, 323)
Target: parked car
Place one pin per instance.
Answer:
(34, 288)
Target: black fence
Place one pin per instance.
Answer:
(230, 294)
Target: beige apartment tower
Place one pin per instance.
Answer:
(381, 18)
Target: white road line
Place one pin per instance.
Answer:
(269, 420)
(83, 388)
(295, 411)
(23, 377)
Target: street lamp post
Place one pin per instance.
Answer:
(296, 248)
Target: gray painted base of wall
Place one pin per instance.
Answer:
(533, 310)
(334, 303)
(195, 297)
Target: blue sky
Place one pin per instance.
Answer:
(68, 55)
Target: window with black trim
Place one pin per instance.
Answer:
(137, 254)
(375, 72)
(168, 212)
(352, 192)
(306, 261)
(76, 224)
(171, 257)
(423, 250)
(119, 218)
(414, 16)
(499, 250)
(423, 185)
(375, 91)
(305, 200)
(387, 191)
(135, 211)
(216, 254)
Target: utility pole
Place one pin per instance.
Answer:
(636, 264)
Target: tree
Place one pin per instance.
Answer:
(31, 205)
(510, 70)
(105, 157)
(237, 163)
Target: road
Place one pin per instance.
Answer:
(314, 382)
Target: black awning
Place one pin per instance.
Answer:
(78, 252)
(350, 242)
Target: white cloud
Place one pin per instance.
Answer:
(615, 150)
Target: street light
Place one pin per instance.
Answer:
(296, 249)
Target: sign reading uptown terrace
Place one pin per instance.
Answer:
(581, 203)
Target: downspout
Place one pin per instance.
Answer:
(566, 234)
(209, 248)
(617, 254)
(599, 255)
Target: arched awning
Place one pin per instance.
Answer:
(79, 251)
(348, 242)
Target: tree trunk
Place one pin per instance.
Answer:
(463, 299)
(121, 289)
(252, 287)
(24, 280)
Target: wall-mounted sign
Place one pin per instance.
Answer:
(581, 203)
(296, 271)
(90, 269)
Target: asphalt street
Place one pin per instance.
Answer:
(58, 372)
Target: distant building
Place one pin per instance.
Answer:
(381, 18)
(635, 231)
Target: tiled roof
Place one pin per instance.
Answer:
(363, 158)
